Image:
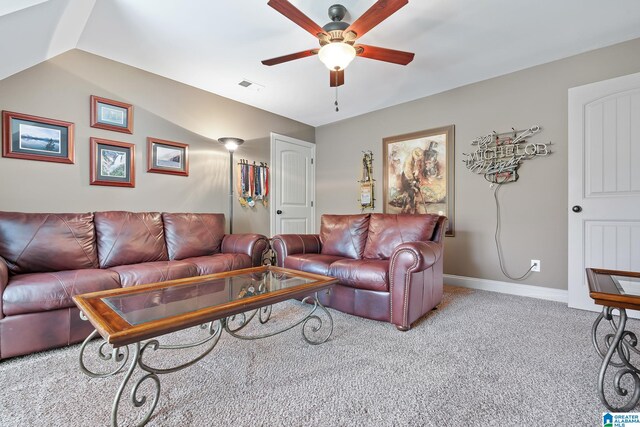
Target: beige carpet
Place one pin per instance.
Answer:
(481, 359)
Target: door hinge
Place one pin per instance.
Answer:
(312, 160)
(311, 204)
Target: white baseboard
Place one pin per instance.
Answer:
(559, 295)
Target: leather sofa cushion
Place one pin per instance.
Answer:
(370, 274)
(387, 231)
(129, 238)
(36, 292)
(219, 263)
(28, 333)
(311, 263)
(193, 235)
(344, 235)
(35, 242)
(153, 272)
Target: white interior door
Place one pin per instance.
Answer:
(604, 181)
(292, 186)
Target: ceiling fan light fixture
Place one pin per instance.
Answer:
(337, 56)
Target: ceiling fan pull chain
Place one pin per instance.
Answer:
(336, 103)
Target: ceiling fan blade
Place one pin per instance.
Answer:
(377, 13)
(294, 14)
(290, 57)
(382, 54)
(336, 78)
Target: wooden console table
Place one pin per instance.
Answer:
(616, 290)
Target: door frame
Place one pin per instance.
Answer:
(274, 178)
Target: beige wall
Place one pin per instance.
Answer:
(60, 89)
(534, 210)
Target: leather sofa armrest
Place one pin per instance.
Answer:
(414, 277)
(4, 280)
(290, 244)
(415, 256)
(254, 245)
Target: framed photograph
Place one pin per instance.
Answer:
(36, 138)
(112, 163)
(167, 157)
(419, 173)
(111, 115)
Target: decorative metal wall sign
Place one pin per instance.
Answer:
(367, 199)
(499, 155)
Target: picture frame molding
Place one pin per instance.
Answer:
(157, 169)
(94, 114)
(449, 131)
(94, 163)
(7, 149)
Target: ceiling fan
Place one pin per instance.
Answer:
(337, 38)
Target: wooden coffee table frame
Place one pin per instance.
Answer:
(604, 291)
(118, 335)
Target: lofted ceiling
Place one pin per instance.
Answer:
(213, 45)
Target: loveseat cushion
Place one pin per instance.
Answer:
(387, 231)
(219, 263)
(311, 263)
(193, 235)
(35, 242)
(129, 238)
(344, 235)
(36, 292)
(152, 272)
(370, 274)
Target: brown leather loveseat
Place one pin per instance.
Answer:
(45, 259)
(389, 267)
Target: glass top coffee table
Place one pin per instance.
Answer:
(616, 290)
(133, 318)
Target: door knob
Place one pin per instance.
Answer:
(279, 212)
(577, 208)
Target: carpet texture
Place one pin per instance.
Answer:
(480, 359)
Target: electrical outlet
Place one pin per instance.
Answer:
(535, 264)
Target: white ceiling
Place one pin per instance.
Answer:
(213, 45)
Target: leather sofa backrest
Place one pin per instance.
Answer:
(41, 242)
(344, 235)
(387, 231)
(129, 238)
(191, 235)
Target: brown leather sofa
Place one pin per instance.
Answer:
(45, 259)
(389, 267)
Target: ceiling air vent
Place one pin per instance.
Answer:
(251, 85)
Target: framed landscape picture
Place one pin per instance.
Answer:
(167, 157)
(36, 138)
(418, 173)
(111, 115)
(112, 163)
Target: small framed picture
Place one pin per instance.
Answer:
(111, 115)
(167, 157)
(112, 163)
(36, 138)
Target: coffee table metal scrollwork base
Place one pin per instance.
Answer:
(623, 343)
(616, 290)
(312, 324)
